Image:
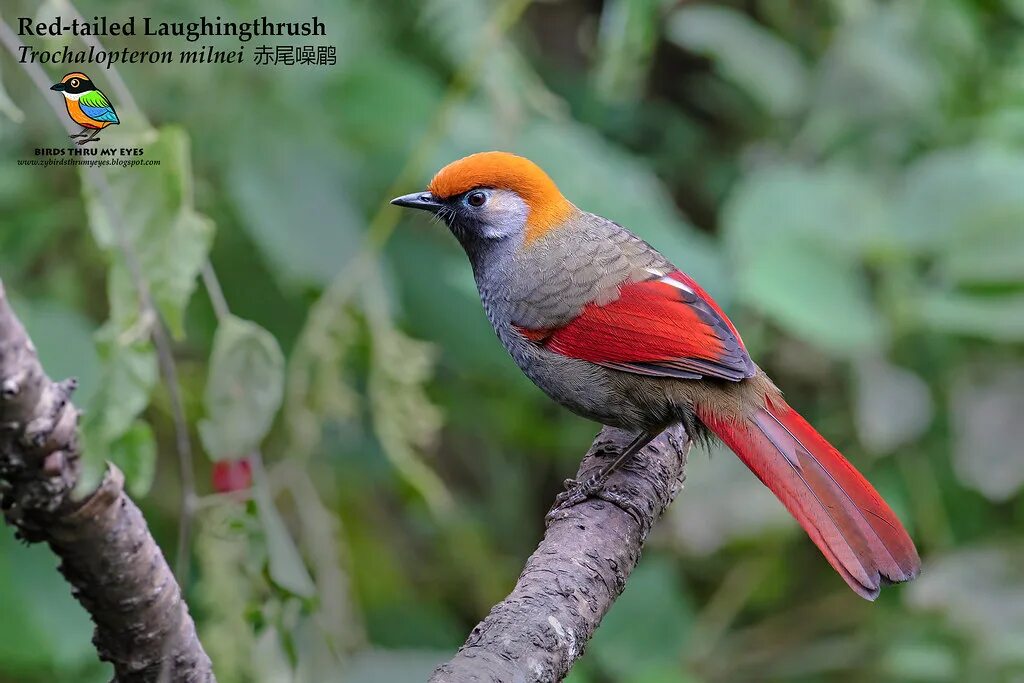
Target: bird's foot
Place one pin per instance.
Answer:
(87, 140)
(594, 486)
(76, 135)
(575, 493)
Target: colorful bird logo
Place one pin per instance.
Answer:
(87, 106)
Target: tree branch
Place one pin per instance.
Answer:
(580, 568)
(107, 554)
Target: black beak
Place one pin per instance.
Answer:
(58, 86)
(419, 200)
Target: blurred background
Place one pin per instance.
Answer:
(846, 177)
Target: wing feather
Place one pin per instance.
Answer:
(97, 107)
(665, 326)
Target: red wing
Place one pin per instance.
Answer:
(667, 326)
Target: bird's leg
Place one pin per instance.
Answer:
(578, 491)
(95, 132)
(80, 133)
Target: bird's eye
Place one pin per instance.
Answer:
(74, 82)
(476, 199)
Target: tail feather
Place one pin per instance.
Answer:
(846, 518)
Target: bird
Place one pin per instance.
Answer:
(606, 326)
(87, 106)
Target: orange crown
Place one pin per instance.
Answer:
(74, 74)
(504, 171)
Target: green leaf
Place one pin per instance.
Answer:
(985, 409)
(977, 589)
(128, 377)
(796, 236)
(965, 207)
(243, 390)
(814, 293)
(992, 253)
(149, 210)
(745, 53)
(285, 565)
(892, 406)
(999, 318)
(385, 98)
(307, 232)
(126, 312)
(134, 452)
(834, 206)
(877, 78)
(129, 373)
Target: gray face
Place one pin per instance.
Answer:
(481, 219)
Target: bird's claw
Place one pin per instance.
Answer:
(82, 142)
(575, 493)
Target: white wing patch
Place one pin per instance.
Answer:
(672, 282)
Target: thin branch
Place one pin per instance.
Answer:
(215, 292)
(168, 370)
(183, 446)
(161, 338)
(112, 562)
(578, 570)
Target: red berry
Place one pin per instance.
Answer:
(232, 475)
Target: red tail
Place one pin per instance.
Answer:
(841, 512)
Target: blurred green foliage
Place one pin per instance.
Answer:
(845, 177)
